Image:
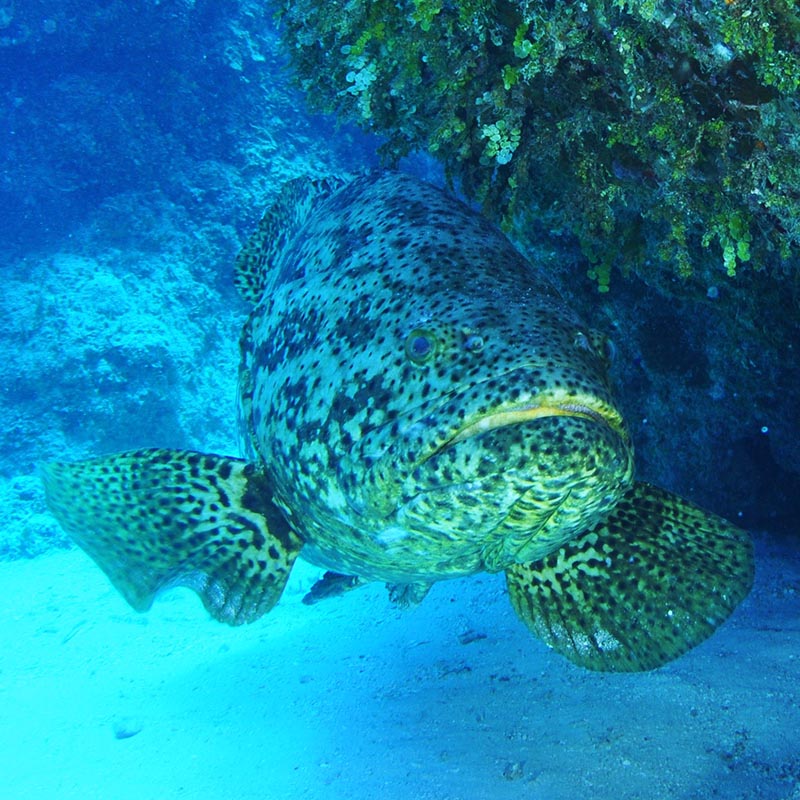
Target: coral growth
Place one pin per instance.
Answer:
(663, 134)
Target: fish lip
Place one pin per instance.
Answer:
(543, 408)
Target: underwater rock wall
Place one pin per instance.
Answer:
(144, 140)
(110, 97)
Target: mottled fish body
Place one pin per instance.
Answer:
(416, 403)
(422, 400)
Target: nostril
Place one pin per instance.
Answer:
(582, 340)
(473, 343)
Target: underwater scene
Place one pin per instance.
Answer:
(400, 400)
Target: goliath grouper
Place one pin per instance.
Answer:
(416, 402)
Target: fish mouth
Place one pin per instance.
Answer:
(515, 415)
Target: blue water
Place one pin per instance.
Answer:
(139, 144)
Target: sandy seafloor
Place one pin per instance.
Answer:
(352, 698)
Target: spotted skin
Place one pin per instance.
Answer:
(416, 403)
(294, 203)
(224, 537)
(355, 381)
(613, 599)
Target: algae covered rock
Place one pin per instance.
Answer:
(664, 135)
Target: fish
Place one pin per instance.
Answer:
(416, 403)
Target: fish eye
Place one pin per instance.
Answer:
(608, 350)
(420, 345)
(604, 347)
(473, 342)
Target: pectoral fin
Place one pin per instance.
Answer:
(650, 582)
(153, 519)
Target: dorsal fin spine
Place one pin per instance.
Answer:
(279, 223)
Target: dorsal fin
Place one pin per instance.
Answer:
(279, 223)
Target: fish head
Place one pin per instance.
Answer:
(418, 391)
(499, 425)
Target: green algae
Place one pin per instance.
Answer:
(663, 135)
